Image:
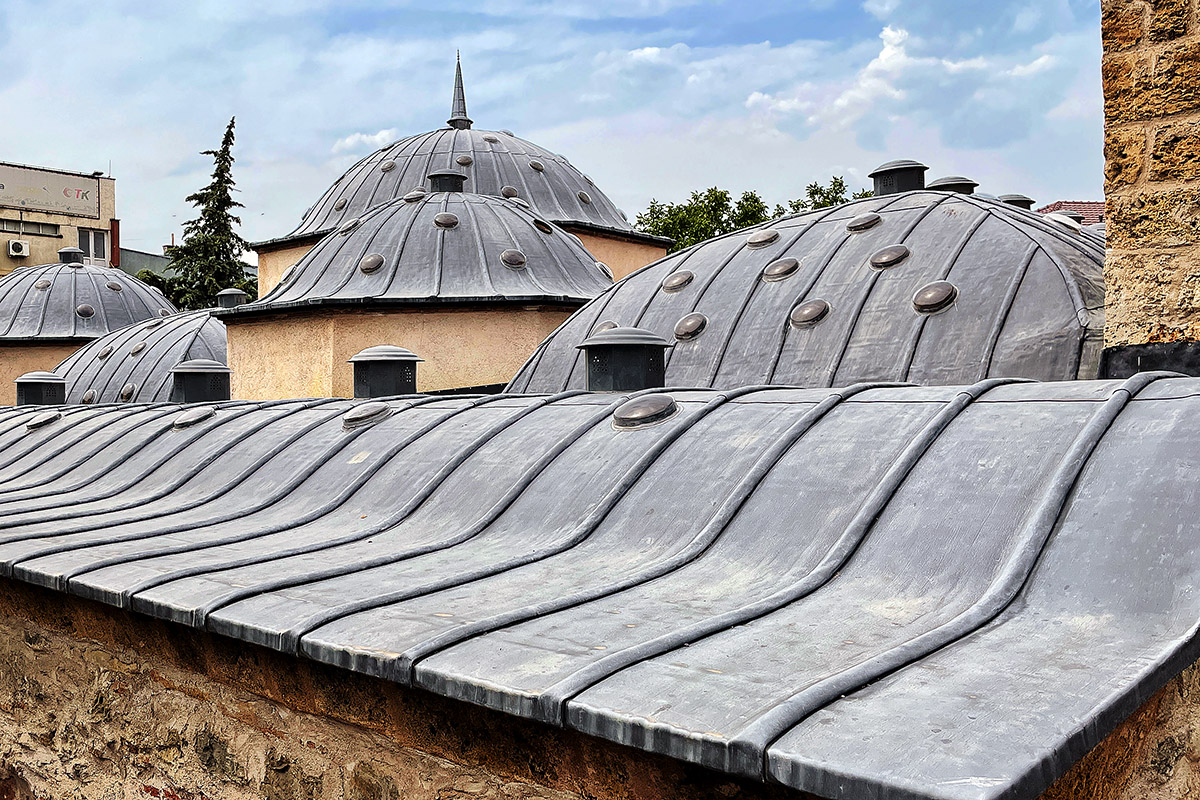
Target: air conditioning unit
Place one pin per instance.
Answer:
(18, 248)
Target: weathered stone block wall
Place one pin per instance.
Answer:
(98, 704)
(1151, 73)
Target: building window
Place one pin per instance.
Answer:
(94, 245)
(26, 228)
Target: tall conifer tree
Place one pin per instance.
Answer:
(209, 258)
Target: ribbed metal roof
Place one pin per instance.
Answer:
(841, 295)
(905, 592)
(440, 246)
(495, 163)
(134, 364)
(73, 301)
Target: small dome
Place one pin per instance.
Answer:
(141, 355)
(74, 301)
(437, 246)
(932, 287)
(494, 163)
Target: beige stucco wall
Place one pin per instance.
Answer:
(273, 263)
(622, 257)
(17, 359)
(44, 249)
(303, 354)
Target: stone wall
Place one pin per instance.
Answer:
(97, 704)
(1151, 74)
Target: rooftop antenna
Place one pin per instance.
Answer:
(458, 113)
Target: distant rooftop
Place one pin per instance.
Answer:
(1092, 210)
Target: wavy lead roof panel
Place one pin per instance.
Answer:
(871, 591)
(929, 287)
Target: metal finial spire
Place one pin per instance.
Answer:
(458, 114)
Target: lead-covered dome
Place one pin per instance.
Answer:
(441, 246)
(71, 300)
(495, 162)
(133, 364)
(923, 286)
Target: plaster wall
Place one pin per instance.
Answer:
(304, 353)
(18, 358)
(273, 263)
(44, 249)
(1151, 71)
(622, 257)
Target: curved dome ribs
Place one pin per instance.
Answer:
(141, 355)
(67, 301)
(1024, 299)
(441, 247)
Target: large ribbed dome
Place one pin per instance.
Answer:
(134, 364)
(495, 163)
(924, 286)
(441, 247)
(73, 301)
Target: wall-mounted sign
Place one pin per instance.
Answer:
(46, 190)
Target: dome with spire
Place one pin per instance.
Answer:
(496, 163)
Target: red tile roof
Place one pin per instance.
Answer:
(1092, 210)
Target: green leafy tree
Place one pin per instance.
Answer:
(714, 211)
(209, 258)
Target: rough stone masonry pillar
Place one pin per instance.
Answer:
(1151, 71)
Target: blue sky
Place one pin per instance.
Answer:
(652, 98)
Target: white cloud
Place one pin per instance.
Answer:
(359, 142)
(881, 9)
(1039, 64)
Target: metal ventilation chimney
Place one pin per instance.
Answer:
(954, 183)
(70, 255)
(625, 360)
(200, 380)
(898, 176)
(446, 181)
(1018, 200)
(231, 298)
(384, 370)
(41, 389)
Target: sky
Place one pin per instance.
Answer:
(652, 98)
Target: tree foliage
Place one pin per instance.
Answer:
(714, 211)
(209, 257)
